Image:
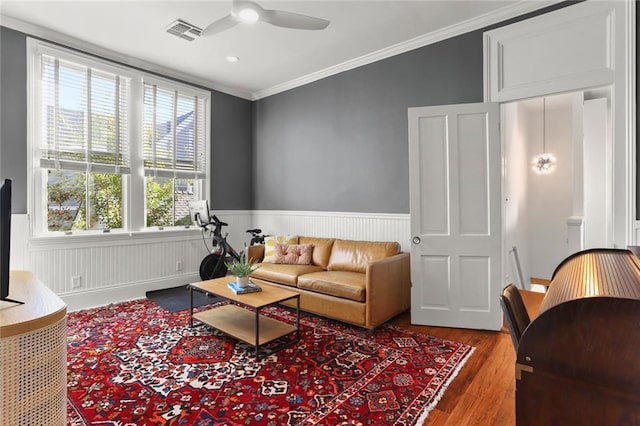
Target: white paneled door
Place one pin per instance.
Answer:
(455, 193)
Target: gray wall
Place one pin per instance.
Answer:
(13, 115)
(637, 118)
(341, 143)
(230, 133)
(337, 144)
(231, 154)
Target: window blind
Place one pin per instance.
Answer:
(84, 118)
(174, 133)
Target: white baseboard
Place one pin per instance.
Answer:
(121, 293)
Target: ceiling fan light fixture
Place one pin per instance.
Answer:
(248, 15)
(249, 12)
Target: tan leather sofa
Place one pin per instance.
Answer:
(359, 282)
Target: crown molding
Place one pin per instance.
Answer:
(502, 14)
(507, 12)
(56, 37)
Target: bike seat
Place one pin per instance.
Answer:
(254, 231)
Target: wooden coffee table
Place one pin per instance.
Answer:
(241, 323)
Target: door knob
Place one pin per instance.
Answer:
(416, 240)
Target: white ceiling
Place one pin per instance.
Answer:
(272, 59)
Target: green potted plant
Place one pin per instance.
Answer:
(242, 269)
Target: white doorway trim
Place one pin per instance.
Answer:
(586, 45)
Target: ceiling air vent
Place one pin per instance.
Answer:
(184, 30)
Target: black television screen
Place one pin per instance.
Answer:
(5, 239)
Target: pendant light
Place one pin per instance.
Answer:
(545, 162)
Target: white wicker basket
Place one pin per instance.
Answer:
(33, 377)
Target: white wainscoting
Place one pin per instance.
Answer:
(19, 259)
(351, 226)
(636, 233)
(575, 234)
(118, 267)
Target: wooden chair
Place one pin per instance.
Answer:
(515, 312)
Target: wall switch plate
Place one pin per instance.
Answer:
(179, 265)
(76, 281)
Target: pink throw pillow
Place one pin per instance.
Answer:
(293, 254)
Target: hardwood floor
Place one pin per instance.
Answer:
(483, 393)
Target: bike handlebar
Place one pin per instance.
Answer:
(218, 222)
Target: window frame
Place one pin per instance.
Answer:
(133, 190)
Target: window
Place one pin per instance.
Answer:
(97, 147)
(84, 147)
(174, 153)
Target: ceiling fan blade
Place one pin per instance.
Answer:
(220, 25)
(281, 18)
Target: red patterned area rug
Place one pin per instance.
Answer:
(137, 364)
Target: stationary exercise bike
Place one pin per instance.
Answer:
(213, 265)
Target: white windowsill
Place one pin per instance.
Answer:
(114, 238)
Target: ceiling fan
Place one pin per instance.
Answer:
(249, 12)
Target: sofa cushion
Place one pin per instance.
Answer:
(283, 274)
(321, 249)
(270, 245)
(343, 284)
(349, 255)
(293, 254)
